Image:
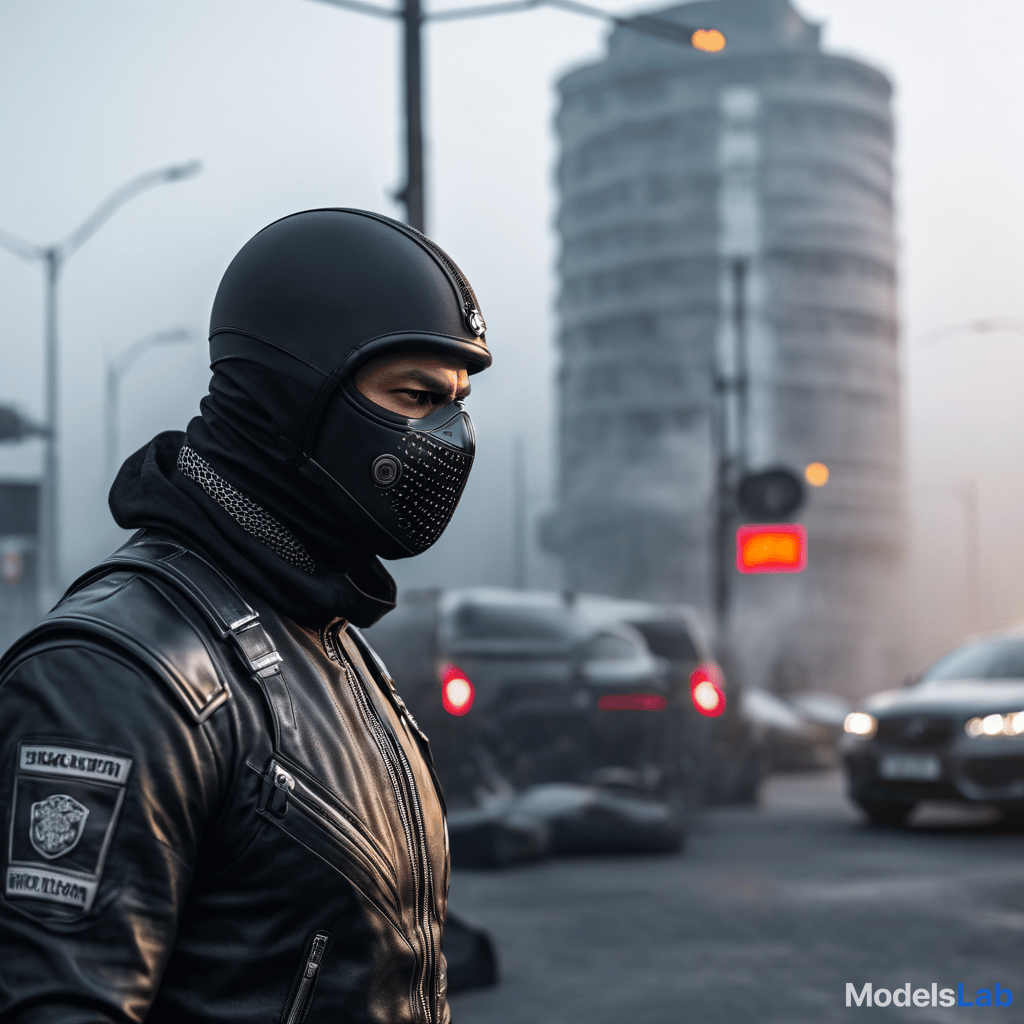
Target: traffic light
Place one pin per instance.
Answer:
(777, 547)
(771, 494)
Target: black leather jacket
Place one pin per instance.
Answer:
(211, 814)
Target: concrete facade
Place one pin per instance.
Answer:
(674, 165)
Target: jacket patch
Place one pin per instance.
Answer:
(56, 825)
(64, 808)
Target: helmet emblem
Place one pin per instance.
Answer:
(56, 825)
(475, 321)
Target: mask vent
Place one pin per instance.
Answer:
(430, 486)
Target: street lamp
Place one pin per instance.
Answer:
(116, 369)
(53, 257)
(412, 194)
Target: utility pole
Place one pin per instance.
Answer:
(53, 258)
(49, 494)
(415, 184)
(730, 441)
(413, 193)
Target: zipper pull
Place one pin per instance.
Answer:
(277, 784)
(298, 1008)
(316, 954)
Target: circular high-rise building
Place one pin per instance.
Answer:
(728, 304)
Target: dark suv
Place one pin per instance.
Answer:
(519, 688)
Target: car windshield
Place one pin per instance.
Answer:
(509, 622)
(667, 640)
(990, 659)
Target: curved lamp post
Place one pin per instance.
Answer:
(53, 257)
(116, 369)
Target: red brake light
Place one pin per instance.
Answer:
(706, 689)
(631, 702)
(456, 691)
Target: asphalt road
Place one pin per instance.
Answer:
(766, 917)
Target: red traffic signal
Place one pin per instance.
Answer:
(778, 547)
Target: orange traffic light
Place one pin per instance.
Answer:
(710, 40)
(780, 547)
(816, 474)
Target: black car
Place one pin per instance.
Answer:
(523, 688)
(955, 734)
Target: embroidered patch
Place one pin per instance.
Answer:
(65, 805)
(56, 825)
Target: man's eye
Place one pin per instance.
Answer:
(424, 397)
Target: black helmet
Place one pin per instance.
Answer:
(305, 303)
(335, 288)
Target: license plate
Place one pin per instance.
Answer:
(910, 767)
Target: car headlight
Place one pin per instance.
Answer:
(1011, 724)
(860, 723)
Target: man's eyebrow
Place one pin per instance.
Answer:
(424, 378)
(429, 382)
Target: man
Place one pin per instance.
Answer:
(215, 806)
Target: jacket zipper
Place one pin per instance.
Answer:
(277, 784)
(429, 895)
(298, 1006)
(418, 860)
(277, 795)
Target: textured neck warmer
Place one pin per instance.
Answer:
(248, 514)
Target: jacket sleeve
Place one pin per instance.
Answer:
(105, 790)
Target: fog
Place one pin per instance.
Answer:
(292, 104)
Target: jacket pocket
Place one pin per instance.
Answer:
(300, 998)
(329, 830)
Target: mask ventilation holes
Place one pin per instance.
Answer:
(424, 500)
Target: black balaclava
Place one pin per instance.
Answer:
(303, 478)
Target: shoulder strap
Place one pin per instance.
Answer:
(204, 586)
(152, 624)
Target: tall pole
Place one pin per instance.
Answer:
(739, 291)
(413, 193)
(730, 444)
(49, 535)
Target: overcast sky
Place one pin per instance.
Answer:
(293, 104)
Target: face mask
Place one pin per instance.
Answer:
(405, 476)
